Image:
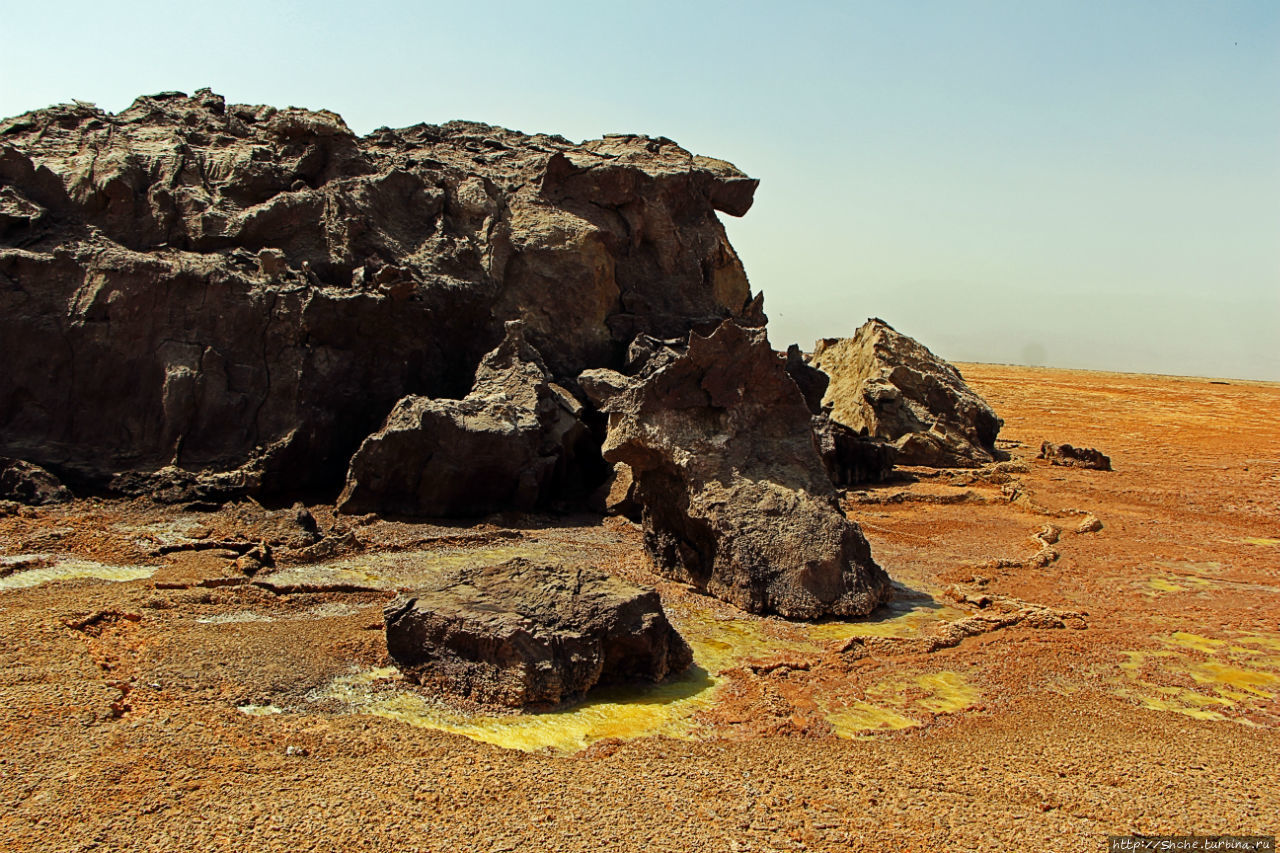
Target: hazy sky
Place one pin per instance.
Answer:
(1066, 183)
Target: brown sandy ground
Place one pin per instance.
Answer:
(1139, 690)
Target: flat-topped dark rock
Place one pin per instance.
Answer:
(526, 633)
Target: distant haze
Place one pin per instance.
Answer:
(1061, 183)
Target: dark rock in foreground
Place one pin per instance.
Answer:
(894, 388)
(514, 443)
(523, 633)
(734, 497)
(224, 288)
(1074, 457)
(30, 484)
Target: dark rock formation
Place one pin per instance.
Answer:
(30, 484)
(811, 381)
(896, 389)
(524, 633)
(617, 494)
(735, 498)
(851, 458)
(228, 288)
(514, 443)
(1074, 457)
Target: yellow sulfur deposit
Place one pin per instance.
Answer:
(70, 569)
(670, 709)
(1210, 676)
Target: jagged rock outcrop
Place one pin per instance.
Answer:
(30, 484)
(735, 498)
(894, 388)
(514, 443)
(524, 633)
(1074, 457)
(230, 288)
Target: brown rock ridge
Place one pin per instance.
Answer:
(231, 288)
(894, 388)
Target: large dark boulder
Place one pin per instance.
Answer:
(894, 388)
(228, 288)
(735, 499)
(525, 633)
(514, 443)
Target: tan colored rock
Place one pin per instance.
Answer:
(894, 388)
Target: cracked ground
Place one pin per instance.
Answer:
(1043, 680)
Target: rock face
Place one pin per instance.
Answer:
(894, 388)
(1075, 457)
(524, 633)
(735, 498)
(232, 289)
(30, 484)
(513, 443)
(851, 458)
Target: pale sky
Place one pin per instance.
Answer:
(1074, 184)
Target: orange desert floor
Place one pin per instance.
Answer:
(1071, 654)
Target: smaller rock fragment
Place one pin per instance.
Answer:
(851, 458)
(30, 484)
(617, 495)
(515, 442)
(1090, 524)
(811, 381)
(255, 559)
(1074, 457)
(174, 485)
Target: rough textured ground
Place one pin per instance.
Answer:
(120, 725)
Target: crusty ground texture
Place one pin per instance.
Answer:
(1156, 709)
